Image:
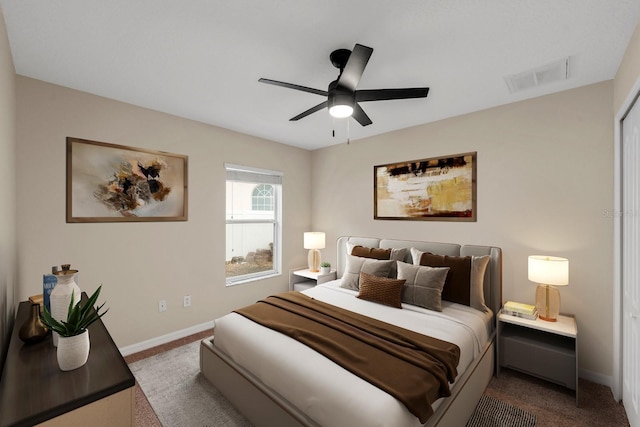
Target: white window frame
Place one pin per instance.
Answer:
(248, 174)
(260, 197)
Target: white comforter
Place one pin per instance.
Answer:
(325, 391)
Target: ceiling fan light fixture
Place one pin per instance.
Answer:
(340, 101)
(341, 111)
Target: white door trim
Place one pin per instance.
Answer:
(616, 386)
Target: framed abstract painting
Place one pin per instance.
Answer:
(436, 189)
(115, 183)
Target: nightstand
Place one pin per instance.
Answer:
(547, 350)
(301, 279)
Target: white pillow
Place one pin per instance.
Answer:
(416, 255)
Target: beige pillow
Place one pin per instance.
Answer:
(423, 285)
(356, 265)
(381, 290)
(478, 268)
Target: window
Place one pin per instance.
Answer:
(253, 230)
(262, 199)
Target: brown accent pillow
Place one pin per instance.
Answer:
(457, 286)
(394, 254)
(381, 290)
(375, 253)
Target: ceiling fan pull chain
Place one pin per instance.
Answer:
(348, 131)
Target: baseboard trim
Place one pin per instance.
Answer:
(163, 339)
(595, 377)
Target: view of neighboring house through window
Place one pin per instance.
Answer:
(253, 231)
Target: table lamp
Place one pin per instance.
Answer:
(548, 272)
(314, 240)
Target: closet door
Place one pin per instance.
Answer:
(631, 264)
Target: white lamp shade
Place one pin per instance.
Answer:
(314, 240)
(549, 270)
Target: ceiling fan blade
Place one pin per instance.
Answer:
(360, 116)
(296, 87)
(309, 111)
(387, 94)
(354, 68)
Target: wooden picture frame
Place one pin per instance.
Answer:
(115, 183)
(433, 189)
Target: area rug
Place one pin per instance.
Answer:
(492, 412)
(179, 394)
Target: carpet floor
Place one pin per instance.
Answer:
(145, 415)
(179, 393)
(553, 406)
(494, 412)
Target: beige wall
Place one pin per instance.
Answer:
(628, 71)
(141, 263)
(8, 281)
(545, 181)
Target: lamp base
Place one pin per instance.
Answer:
(314, 260)
(548, 302)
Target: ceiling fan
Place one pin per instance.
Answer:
(342, 96)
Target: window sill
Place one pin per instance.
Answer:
(252, 279)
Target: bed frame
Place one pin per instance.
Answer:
(263, 406)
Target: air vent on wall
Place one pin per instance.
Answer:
(554, 72)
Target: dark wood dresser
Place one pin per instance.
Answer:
(34, 391)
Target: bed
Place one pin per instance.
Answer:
(276, 381)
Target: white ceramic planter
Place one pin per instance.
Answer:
(73, 352)
(61, 297)
(325, 270)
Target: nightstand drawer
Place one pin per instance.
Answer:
(545, 356)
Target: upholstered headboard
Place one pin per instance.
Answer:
(493, 274)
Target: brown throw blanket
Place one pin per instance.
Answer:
(413, 368)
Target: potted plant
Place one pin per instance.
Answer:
(73, 344)
(325, 268)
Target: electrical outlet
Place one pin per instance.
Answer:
(186, 302)
(162, 305)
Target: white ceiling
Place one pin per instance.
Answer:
(201, 59)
